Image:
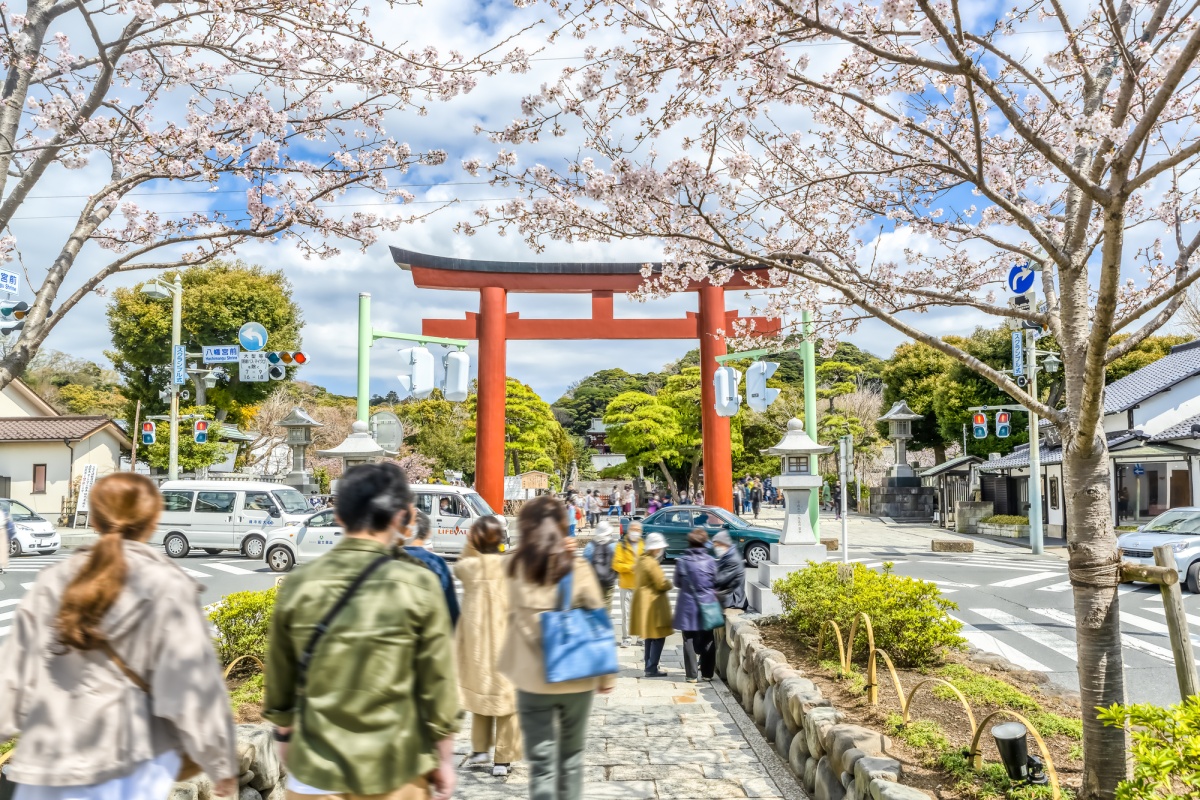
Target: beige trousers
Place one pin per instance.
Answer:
(503, 732)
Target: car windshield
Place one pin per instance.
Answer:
(726, 516)
(18, 511)
(479, 505)
(292, 501)
(1187, 522)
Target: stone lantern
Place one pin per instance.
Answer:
(900, 419)
(299, 436)
(902, 497)
(798, 544)
(357, 448)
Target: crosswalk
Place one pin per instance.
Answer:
(207, 567)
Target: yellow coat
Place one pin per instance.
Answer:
(650, 616)
(480, 635)
(624, 561)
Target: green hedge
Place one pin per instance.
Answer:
(242, 621)
(1166, 749)
(1005, 519)
(910, 618)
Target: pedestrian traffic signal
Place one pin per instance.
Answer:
(725, 382)
(758, 395)
(1003, 424)
(416, 372)
(148, 433)
(979, 423)
(200, 431)
(458, 376)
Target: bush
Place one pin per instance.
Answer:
(1005, 519)
(1166, 749)
(909, 617)
(242, 620)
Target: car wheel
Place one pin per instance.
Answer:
(14, 548)
(253, 547)
(176, 546)
(280, 559)
(213, 551)
(1193, 578)
(756, 553)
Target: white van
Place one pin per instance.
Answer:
(225, 515)
(451, 511)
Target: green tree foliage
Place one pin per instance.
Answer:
(1166, 749)
(587, 399)
(533, 437)
(646, 431)
(74, 385)
(437, 429)
(914, 374)
(218, 298)
(192, 456)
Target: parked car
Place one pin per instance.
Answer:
(452, 510)
(35, 534)
(225, 515)
(1180, 528)
(676, 522)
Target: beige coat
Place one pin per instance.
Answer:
(80, 719)
(480, 635)
(521, 658)
(650, 615)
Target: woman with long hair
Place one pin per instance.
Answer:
(110, 678)
(484, 692)
(545, 556)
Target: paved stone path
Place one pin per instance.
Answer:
(659, 739)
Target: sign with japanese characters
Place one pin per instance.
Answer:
(253, 367)
(221, 353)
(9, 281)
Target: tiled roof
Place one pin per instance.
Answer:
(1020, 458)
(1180, 430)
(1181, 363)
(954, 463)
(37, 429)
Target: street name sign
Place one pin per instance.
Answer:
(1018, 352)
(179, 365)
(9, 281)
(221, 353)
(253, 367)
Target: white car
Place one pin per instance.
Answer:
(35, 534)
(1179, 528)
(298, 544)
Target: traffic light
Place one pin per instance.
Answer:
(280, 360)
(725, 381)
(416, 376)
(979, 424)
(758, 396)
(1003, 424)
(458, 376)
(149, 433)
(14, 312)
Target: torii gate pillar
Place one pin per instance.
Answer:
(493, 370)
(718, 457)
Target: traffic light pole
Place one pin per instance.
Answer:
(1035, 460)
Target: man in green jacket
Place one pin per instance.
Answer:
(379, 710)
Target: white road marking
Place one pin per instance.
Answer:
(4, 629)
(6, 603)
(1127, 640)
(7, 615)
(1148, 625)
(983, 566)
(195, 573)
(985, 641)
(1063, 646)
(1024, 579)
(229, 568)
(26, 585)
(1065, 586)
(1191, 618)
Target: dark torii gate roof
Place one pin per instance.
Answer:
(445, 272)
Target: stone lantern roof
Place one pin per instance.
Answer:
(358, 445)
(900, 412)
(796, 442)
(298, 419)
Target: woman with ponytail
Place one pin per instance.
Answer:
(109, 676)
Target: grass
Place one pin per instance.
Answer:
(249, 692)
(922, 734)
(853, 681)
(6, 746)
(979, 688)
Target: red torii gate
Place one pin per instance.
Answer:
(493, 326)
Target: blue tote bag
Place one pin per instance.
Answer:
(577, 642)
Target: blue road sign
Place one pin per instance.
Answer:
(9, 281)
(221, 354)
(179, 363)
(253, 336)
(1018, 352)
(1021, 278)
(1138, 469)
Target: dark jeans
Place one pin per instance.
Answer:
(653, 649)
(699, 645)
(554, 727)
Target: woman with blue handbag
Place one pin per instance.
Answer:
(552, 597)
(697, 610)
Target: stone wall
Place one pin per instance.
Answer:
(262, 774)
(1007, 531)
(968, 513)
(834, 760)
(903, 502)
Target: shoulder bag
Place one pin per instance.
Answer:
(712, 615)
(577, 642)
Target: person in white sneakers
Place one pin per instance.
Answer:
(625, 556)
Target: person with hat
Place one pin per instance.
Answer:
(730, 582)
(651, 613)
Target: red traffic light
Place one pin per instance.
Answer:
(979, 418)
(147, 427)
(299, 357)
(1003, 417)
(202, 425)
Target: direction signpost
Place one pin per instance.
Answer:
(9, 281)
(1021, 278)
(1018, 353)
(179, 365)
(221, 353)
(252, 336)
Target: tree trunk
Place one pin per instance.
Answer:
(671, 485)
(694, 478)
(1094, 572)
(939, 453)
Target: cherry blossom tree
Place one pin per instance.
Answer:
(883, 159)
(278, 108)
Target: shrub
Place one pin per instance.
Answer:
(1166, 749)
(910, 617)
(242, 620)
(1005, 519)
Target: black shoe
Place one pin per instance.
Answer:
(658, 673)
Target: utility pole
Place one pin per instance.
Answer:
(808, 353)
(176, 335)
(1035, 462)
(364, 356)
(845, 454)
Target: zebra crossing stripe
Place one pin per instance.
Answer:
(1127, 640)
(1024, 579)
(195, 573)
(1191, 618)
(1135, 621)
(1030, 630)
(4, 629)
(1056, 587)
(7, 615)
(229, 568)
(7, 603)
(985, 641)
(984, 566)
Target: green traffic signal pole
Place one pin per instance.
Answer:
(366, 340)
(808, 356)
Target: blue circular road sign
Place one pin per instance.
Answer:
(1021, 278)
(252, 336)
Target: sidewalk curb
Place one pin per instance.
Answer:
(783, 778)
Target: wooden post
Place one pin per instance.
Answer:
(137, 434)
(1181, 643)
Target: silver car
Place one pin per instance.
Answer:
(1179, 528)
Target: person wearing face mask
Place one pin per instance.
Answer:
(363, 690)
(418, 548)
(730, 582)
(651, 614)
(624, 561)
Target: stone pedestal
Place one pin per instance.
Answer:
(904, 503)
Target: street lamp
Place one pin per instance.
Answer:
(1014, 754)
(1051, 363)
(157, 290)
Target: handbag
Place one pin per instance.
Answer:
(577, 642)
(712, 616)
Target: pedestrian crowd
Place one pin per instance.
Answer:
(751, 491)
(112, 683)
